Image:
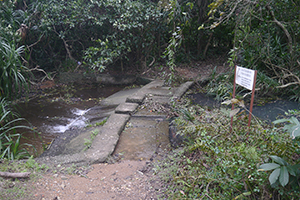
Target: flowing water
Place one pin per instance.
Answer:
(53, 114)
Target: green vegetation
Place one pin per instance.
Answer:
(48, 37)
(266, 38)
(12, 70)
(98, 123)
(16, 188)
(10, 147)
(214, 163)
(88, 142)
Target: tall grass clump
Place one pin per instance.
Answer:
(10, 147)
(12, 72)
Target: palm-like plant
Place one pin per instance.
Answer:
(10, 147)
(11, 69)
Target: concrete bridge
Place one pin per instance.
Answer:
(105, 138)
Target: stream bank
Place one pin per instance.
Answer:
(269, 111)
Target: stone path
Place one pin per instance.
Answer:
(107, 136)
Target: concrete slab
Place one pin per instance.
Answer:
(105, 142)
(126, 108)
(141, 139)
(140, 95)
(156, 83)
(182, 89)
(160, 99)
(161, 91)
(136, 98)
(119, 97)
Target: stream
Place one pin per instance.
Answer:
(268, 112)
(54, 113)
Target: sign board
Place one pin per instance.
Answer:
(245, 77)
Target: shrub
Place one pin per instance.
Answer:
(215, 163)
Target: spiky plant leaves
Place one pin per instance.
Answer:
(12, 79)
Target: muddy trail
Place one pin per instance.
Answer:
(126, 179)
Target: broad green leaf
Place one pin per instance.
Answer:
(294, 120)
(292, 170)
(295, 131)
(280, 121)
(269, 166)
(274, 176)
(278, 160)
(284, 176)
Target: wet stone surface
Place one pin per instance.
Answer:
(142, 138)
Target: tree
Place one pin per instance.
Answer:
(266, 36)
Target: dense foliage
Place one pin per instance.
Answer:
(133, 35)
(266, 38)
(110, 33)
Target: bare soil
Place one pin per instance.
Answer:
(122, 180)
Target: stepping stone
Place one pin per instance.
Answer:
(126, 108)
(182, 89)
(136, 98)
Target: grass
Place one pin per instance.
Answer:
(215, 163)
(14, 188)
(22, 188)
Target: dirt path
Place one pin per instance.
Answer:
(122, 180)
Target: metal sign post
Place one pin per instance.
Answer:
(247, 79)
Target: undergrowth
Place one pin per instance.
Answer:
(216, 163)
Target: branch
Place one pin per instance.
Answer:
(65, 43)
(207, 45)
(15, 175)
(285, 75)
(230, 14)
(286, 85)
(35, 42)
(41, 70)
(282, 27)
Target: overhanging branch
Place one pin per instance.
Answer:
(290, 41)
